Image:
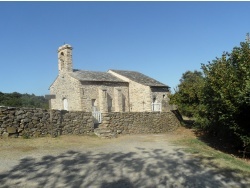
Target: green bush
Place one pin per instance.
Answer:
(220, 100)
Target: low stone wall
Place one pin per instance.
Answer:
(140, 122)
(74, 122)
(26, 122)
(15, 122)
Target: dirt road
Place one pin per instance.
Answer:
(127, 161)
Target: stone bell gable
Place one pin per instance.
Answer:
(112, 91)
(65, 63)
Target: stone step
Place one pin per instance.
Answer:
(104, 133)
(100, 130)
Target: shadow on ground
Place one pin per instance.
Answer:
(223, 145)
(140, 168)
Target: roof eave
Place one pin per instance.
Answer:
(163, 86)
(53, 82)
(101, 81)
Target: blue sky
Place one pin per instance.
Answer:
(159, 39)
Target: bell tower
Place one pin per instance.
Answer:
(65, 59)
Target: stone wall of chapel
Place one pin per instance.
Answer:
(139, 95)
(140, 99)
(108, 96)
(161, 96)
(66, 87)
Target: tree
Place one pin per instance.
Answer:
(225, 96)
(188, 93)
(22, 100)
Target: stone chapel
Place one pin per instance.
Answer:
(111, 91)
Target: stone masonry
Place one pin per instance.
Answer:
(15, 122)
(142, 95)
(140, 122)
(108, 97)
(18, 122)
(68, 88)
(112, 91)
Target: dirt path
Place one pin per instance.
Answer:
(128, 161)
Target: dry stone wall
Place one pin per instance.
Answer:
(140, 122)
(25, 122)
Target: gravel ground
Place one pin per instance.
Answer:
(128, 161)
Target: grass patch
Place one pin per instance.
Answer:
(198, 148)
(49, 143)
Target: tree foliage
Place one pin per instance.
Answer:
(188, 93)
(16, 99)
(226, 95)
(219, 100)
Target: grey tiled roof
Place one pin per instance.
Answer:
(140, 78)
(84, 75)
